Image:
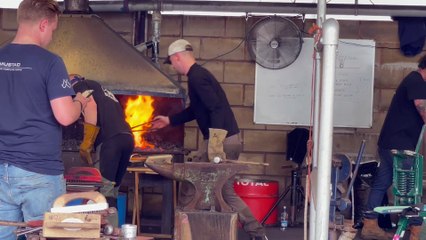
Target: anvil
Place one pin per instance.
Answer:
(207, 178)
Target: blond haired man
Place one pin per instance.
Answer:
(35, 100)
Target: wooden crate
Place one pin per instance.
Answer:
(71, 225)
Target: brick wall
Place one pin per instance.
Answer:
(212, 36)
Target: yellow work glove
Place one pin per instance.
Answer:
(90, 134)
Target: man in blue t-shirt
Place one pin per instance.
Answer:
(401, 130)
(35, 100)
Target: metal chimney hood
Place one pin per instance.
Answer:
(92, 49)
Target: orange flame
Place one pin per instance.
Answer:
(139, 112)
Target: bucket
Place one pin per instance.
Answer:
(260, 196)
(129, 231)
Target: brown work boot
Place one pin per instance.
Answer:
(371, 230)
(415, 232)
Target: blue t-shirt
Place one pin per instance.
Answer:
(30, 136)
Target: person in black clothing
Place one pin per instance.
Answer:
(401, 130)
(106, 129)
(209, 106)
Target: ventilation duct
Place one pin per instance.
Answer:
(92, 49)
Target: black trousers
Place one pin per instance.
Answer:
(114, 157)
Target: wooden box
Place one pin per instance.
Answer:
(71, 225)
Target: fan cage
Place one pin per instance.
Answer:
(274, 42)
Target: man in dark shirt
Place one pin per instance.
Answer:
(210, 108)
(106, 129)
(401, 130)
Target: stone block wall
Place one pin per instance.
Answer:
(213, 36)
(219, 44)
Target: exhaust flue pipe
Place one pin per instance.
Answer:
(76, 6)
(156, 23)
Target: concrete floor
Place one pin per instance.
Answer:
(274, 233)
(296, 233)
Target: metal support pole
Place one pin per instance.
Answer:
(330, 41)
(312, 207)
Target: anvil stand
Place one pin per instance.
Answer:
(297, 196)
(207, 216)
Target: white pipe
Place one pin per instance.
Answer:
(312, 216)
(330, 41)
(320, 19)
(257, 7)
(322, 6)
(315, 137)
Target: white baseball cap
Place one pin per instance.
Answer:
(180, 45)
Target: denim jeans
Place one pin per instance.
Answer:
(26, 196)
(382, 181)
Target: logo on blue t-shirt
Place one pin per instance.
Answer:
(12, 66)
(66, 83)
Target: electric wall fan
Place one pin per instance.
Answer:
(274, 42)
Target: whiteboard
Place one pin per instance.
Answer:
(283, 96)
